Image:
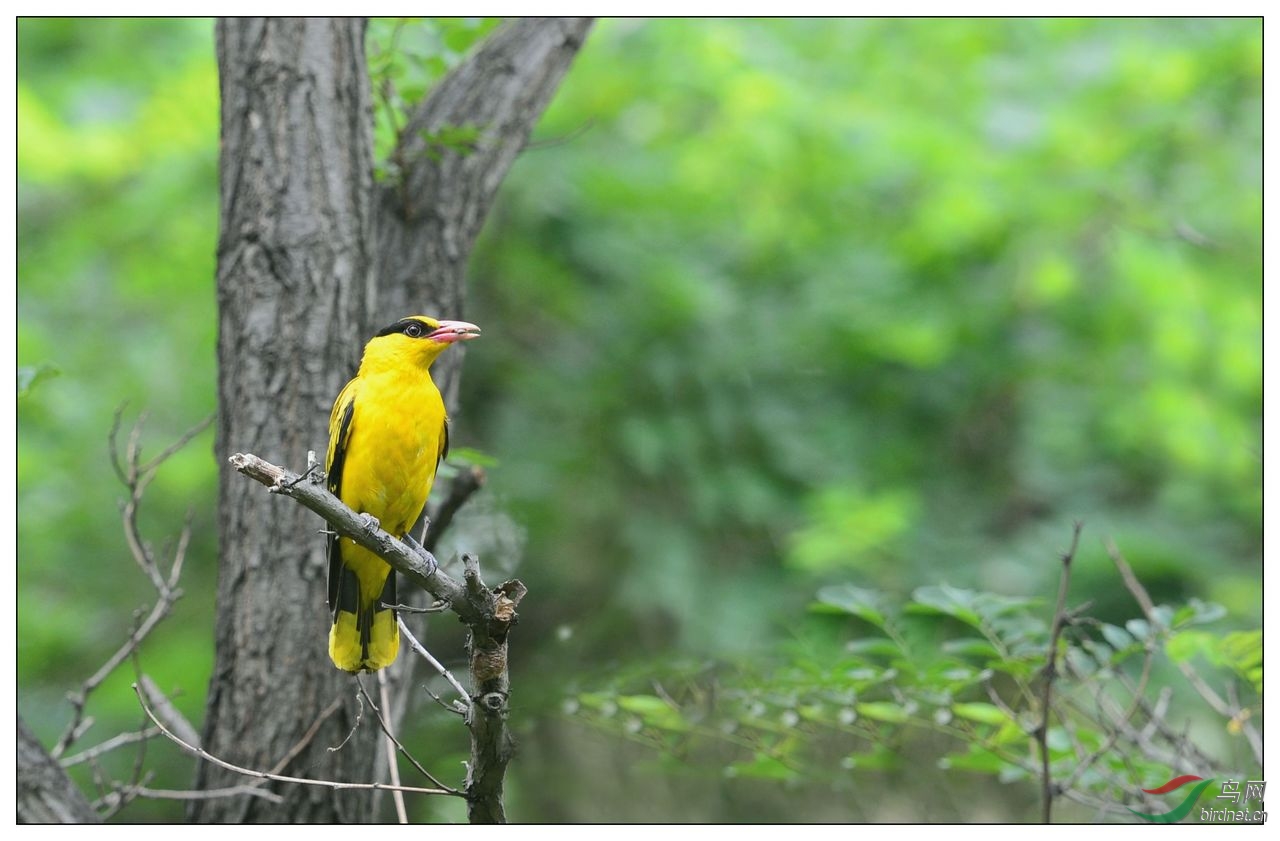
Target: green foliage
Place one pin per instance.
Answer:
(799, 311)
(407, 56)
(871, 701)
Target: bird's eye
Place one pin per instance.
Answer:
(413, 330)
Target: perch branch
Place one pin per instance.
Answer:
(488, 614)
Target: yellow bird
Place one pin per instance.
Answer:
(387, 434)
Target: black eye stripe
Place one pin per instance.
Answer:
(411, 327)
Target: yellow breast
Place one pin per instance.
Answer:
(396, 430)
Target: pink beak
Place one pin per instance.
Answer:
(454, 331)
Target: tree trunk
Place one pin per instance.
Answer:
(294, 276)
(45, 792)
(312, 256)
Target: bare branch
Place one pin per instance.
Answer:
(263, 775)
(116, 799)
(117, 741)
(167, 712)
(435, 664)
(183, 440)
(1060, 620)
(386, 731)
(135, 480)
(81, 696)
(393, 767)
(1227, 710)
(419, 567)
(306, 737)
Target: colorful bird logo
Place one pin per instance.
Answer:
(1183, 808)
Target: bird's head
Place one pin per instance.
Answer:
(418, 339)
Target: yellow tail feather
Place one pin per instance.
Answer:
(377, 649)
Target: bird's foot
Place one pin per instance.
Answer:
(370, 522)
(432, 564)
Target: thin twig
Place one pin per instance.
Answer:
(1060, 619)
(306, 737)
(1228, 711)
(183, 440)
(128, 793)
(356, 724)
(1113, 736)
(488, 614)
(386, 730)
(118, 797)
(109, 745)
(135, 480)
(80, 697)
(262, 775)
(393, 767)
(435, 664)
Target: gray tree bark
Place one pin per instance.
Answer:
(45, 792)
(294, 281)
(311, 256)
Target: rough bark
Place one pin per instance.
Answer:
(45, 792)
(294, 280)
(312, 256)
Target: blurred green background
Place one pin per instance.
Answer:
(767, 305)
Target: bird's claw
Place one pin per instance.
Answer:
(370, 522)
(413, 544)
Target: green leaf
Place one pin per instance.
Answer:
(948, 601)
(460, 139)
(470, 455)
(864, 604)
(880, 759)
(1118, 638)
(762, 767)
(1184, 645)
(877, 646)
(971, 647)
(653, 711)
(884, 711)
(981, 712)
(1140, 628)
(1197, 612)
(976, 759)
(1242, 651)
